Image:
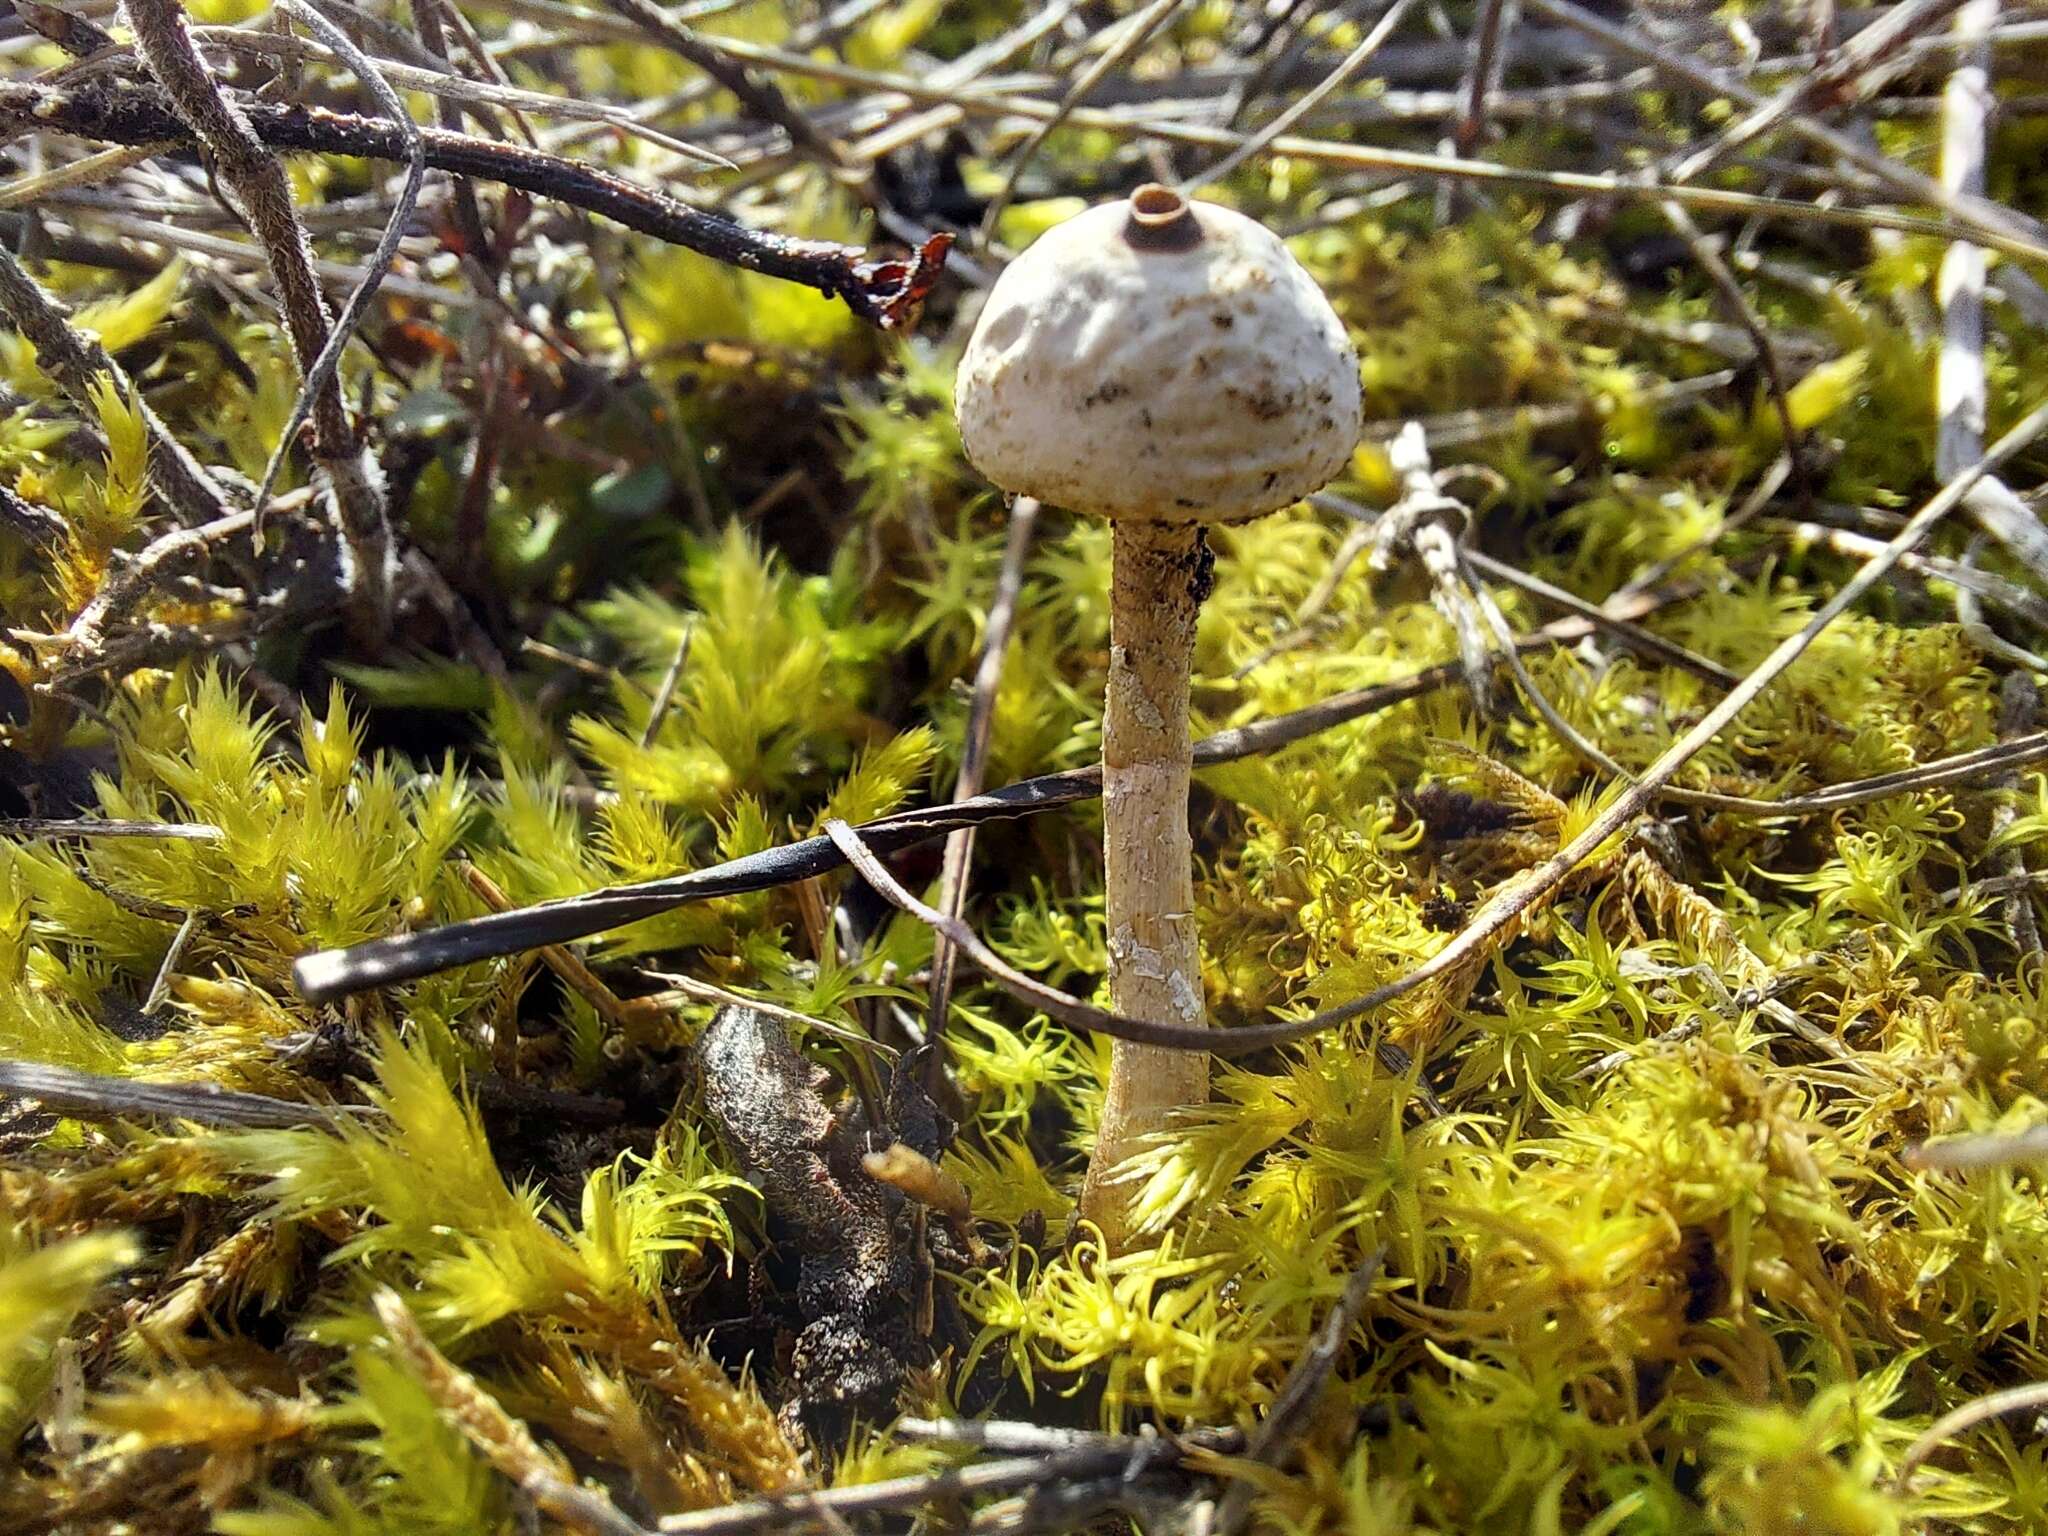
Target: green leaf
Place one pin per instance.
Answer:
(41, 1290)
(430, 682)
(1827, 391)
(122, 321)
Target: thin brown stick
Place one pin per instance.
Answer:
(884, 292)
(220, 249)
(759, 99)
(321, 375)
(335, 973)
(1998, 591)
(1983, 218)
(1482, 77)
(468, 212)
(988, 677)
(822, 32)
(452, 91)
(151, 644)
(480, 55)
(39, 827)
(141, 578)
(256, 176)
(565, 963)
(1837, 76)
(665, 693)
(1276, 1442)
(698, 990)
(1339, 77)
(1054, 1003)
(1985, 764)
(1272, 38)
(1560, 727)
(1633, 636)
(1736, 302)
(1986, 222)
(2020, 1399)
(1089, 1458)
(75, 360)
(2019, 711)
(1140, 27)
(1961, 394)
(96, 1096)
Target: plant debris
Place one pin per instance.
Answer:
(552, 936)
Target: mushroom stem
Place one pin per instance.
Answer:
(1159, 576)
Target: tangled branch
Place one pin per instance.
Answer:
(887, 292)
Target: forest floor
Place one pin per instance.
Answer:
(481, 481)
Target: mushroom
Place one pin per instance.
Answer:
(1163, 364)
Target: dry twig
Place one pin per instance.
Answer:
(1737, 303)
(1339, 77)
(1985, 220)
(1482, 75)
(760, 99)
(257, 178)
(503, 1441)
(141, 578)
(2019, 712)
(2028, 1398)
(1960, 390)
(1275, 1442)
(1125, 1457)
(1839, 74)
(95, 1096)
(28, 827)
(988, 677)
(1134, 37)
(885, 292)
(320, 375)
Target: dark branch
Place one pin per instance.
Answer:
(887, 293)
(35, 524)
(92, 1096)
(163, 37)
(74, 34)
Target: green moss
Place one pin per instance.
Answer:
(1652, 1264)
